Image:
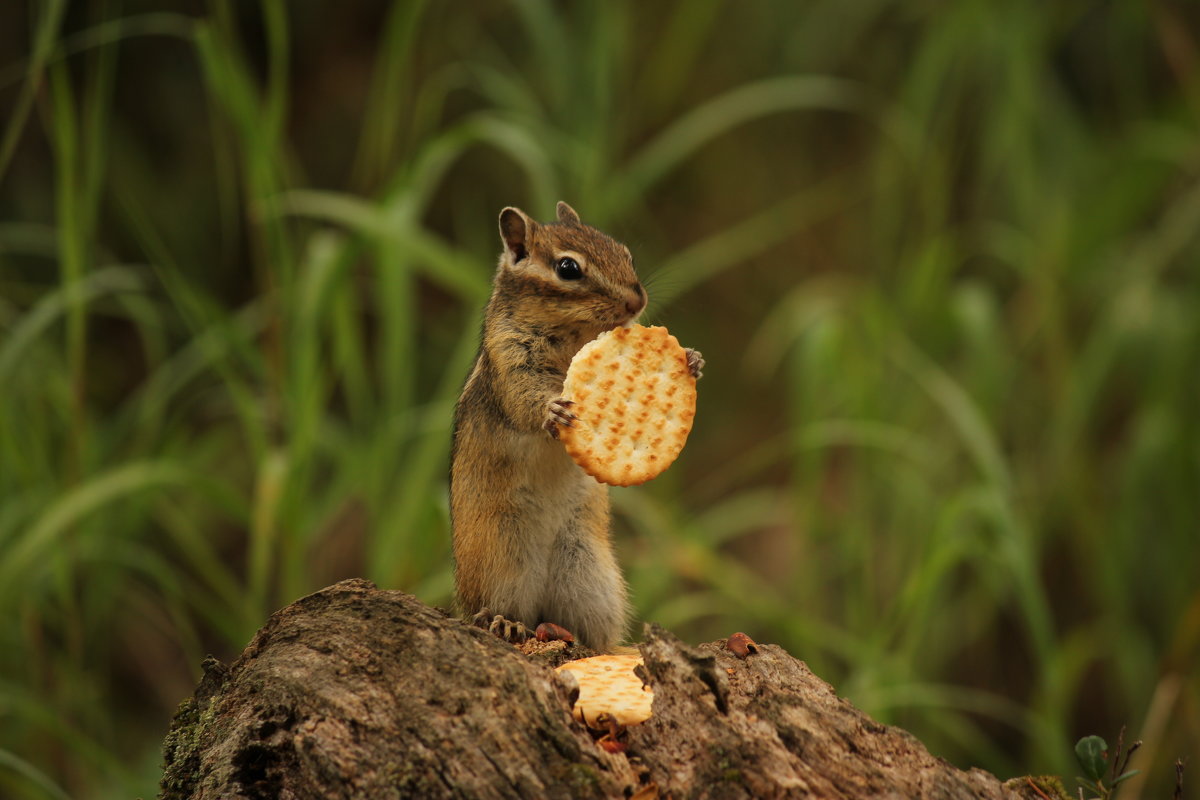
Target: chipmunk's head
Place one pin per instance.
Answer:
(567, 272)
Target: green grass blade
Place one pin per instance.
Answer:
(684, 137)
(14, 763)
(55, 306)
(384, 113)
(46, 31)
(25, 555)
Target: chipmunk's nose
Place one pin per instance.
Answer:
(637, 301)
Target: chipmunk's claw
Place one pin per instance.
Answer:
(695, 362)
(500, 626)
(557, 413)
(508, 630)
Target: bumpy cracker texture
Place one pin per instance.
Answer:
(635, 400)
(609, 688)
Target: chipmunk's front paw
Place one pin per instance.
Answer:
(695, 362)
(558, 413)
(506, 629)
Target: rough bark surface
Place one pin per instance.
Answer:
(358, 692)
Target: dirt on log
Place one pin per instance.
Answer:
(358, 692)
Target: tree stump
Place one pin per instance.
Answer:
(358, 692)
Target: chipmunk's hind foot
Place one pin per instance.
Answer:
(498, 625)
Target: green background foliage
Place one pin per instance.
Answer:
(941, 258)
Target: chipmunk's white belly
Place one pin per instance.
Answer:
(548, 492)
(550, 489)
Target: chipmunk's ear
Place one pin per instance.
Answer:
(567, 214)
(516, 229)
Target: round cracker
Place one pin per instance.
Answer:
(635, 400)
(609, 689)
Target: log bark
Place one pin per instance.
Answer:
(358, 692)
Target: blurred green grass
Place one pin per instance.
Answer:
(941, 258)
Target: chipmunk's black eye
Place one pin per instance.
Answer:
(568, 269)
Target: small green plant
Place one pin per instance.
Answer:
(1096, 761)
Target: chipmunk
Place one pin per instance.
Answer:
(531, 529)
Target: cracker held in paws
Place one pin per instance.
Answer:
(633, 396)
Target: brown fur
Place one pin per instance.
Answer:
(531, 529)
